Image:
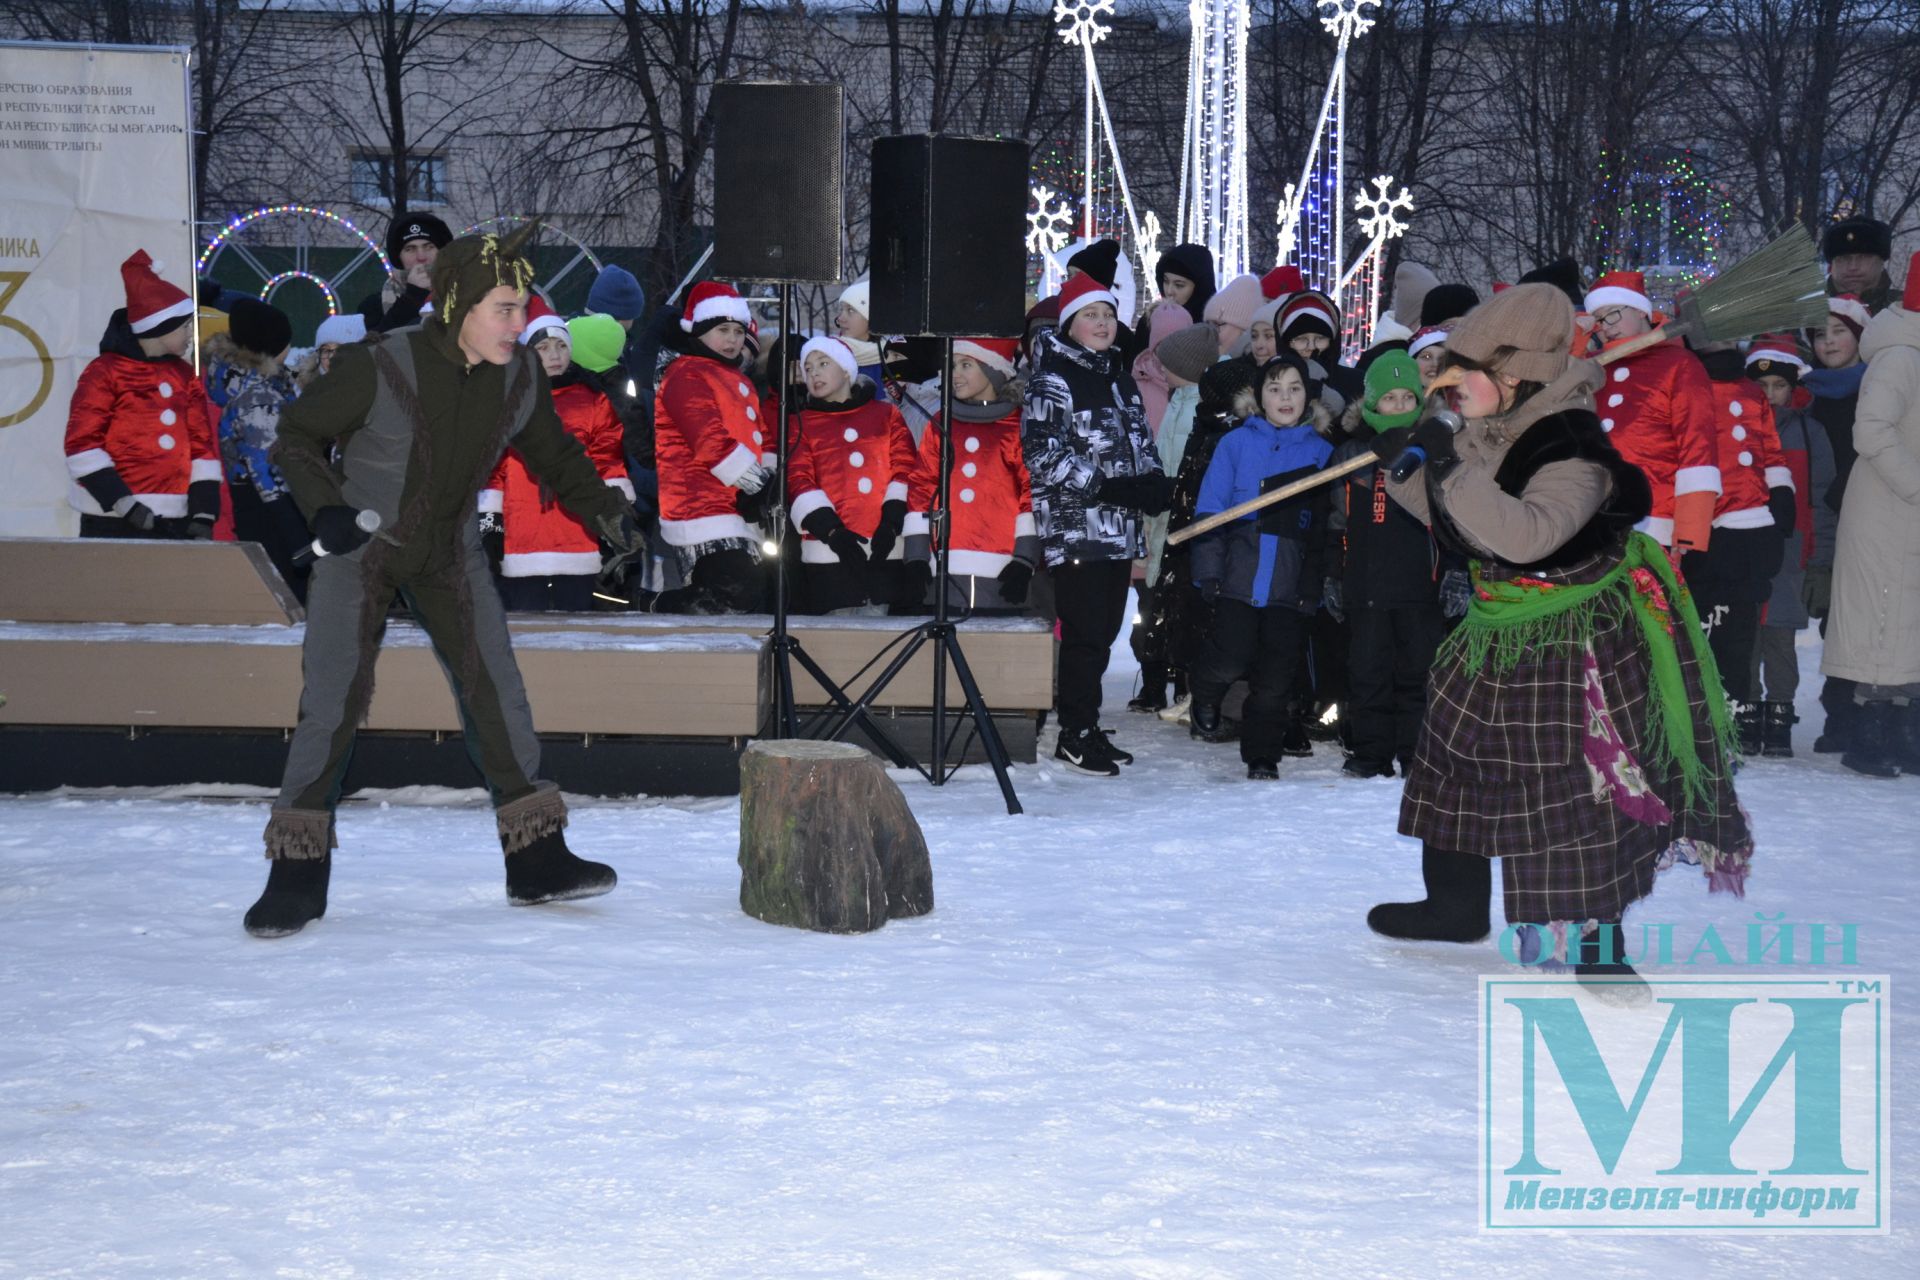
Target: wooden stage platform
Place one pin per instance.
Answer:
(144, 663)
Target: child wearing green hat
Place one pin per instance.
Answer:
(1383, 578)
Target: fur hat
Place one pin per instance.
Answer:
(259, 327)
(1235, 304)
(154, 306)
(1525, 331)
(416, 226)
(1446, 302)
(1223, 385)
(1563, 274)
(1101, 260)
(340, 331)
(1394, 371)
(1190, 352)
(470, 268)
(542, 320)
(1081, 290)
(1857, 235)
(711, 303)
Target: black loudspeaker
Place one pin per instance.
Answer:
(778, 153)
(949, 236)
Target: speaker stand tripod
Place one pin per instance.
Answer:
(942, 633)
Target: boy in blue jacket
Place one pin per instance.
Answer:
(1263, 573)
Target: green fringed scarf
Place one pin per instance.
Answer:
(1510, 619)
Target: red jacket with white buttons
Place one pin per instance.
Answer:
(990, 495)
(145, 422)
(849, 459)
(707, 433)
(1657, 408)
(543, 539)
(1751, 459)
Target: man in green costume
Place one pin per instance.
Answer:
(409, 427)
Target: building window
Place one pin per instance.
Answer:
(371, 179)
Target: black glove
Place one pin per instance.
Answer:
(334, 529)
(1295, 517)
(1015, 580)
(199, 530)
(753, 506)
(915, 581)
(1389, 444)
(203, 504)
(1209, 590)
(1434, 436)
(493, 538)
(139, 516)
(1150, 494)
(1780, 503)
(623, 542)
(1333, 598)
(893, 518)
(827, 527)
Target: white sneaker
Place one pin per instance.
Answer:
(1178, 712)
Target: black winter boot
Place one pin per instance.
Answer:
(296, 893)
(1294, 741)
(1455, 908)
(1776, 729)
(1361, 767)
(1597, 962)
(1263, 771)
(1153, 688)
(1872, 742)
(1746, 721)
(1206, 723)
(548, 871)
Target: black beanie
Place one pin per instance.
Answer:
(259, 327)
(1291, 360)
(1101, 260)
(1446, 302)
(1191, 262)
(1564, 275)
(1857, 235)
(416, 226)
(1223, 381)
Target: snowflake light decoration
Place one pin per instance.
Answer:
(1079, 20)
(1149, 251)
(1049, 224)
(1344, 20)
(1381, 207)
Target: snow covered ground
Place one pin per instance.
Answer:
(1145, 1033)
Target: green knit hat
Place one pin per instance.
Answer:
(597, 342)
(1393, 371)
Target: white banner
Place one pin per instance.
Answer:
(96, 160)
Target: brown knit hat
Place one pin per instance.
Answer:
(1533, 322)
(1187, 353)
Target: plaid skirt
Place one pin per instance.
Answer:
(1504, 769)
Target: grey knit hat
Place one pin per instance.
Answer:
(1187, 353)
(1525, 331)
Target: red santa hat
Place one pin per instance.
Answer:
(995, 354)
(833, 349)
(1500, 287)
(151, 301)
(1079, 291)
(1619, 289)
(1776, 348)
(711, 302)
(1431, 336)
(1282, 281)
(1910, 300)
(1852, 312)
(541, 320)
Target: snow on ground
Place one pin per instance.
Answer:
(1145, 1033)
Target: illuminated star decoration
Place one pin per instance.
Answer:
(1381, 209)
(1079, 20)
(1344, 20)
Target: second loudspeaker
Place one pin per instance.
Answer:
(949, 236)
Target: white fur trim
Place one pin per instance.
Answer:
(548, 564)
(736, 464)
(492, 500)
(531, 334)
(1090, 296)
(978, 564)
(1746, 518)
(833, 349)
(184, 307)
(88, 461)
(1023, 526)
(1779, 478)
(974, 351)
(896, 491)
(1659, 528)
(917, 525)
(1784, 357)
(203, 469)
(718, 308)
(624, 485)
(1425, 340)
(1613, 295)
(805, 504)
(1696, 480)
(691, 533)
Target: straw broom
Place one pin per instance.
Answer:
(1779, 286)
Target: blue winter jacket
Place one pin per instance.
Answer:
(1252, 560)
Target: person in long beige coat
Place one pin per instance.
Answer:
(1873, 635)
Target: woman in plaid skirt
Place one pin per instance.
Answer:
(1575, 725)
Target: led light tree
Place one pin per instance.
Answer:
(1312, 214)
(1213, 149)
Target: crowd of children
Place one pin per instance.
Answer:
(1076, 451)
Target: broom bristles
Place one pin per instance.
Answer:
(1780, 286)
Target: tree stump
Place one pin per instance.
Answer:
(826, 839)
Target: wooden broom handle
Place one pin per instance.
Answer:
(1281, 494)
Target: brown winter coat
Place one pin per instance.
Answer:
(1873, 635)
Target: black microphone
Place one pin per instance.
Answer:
(1413, 457)
(369, 523)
